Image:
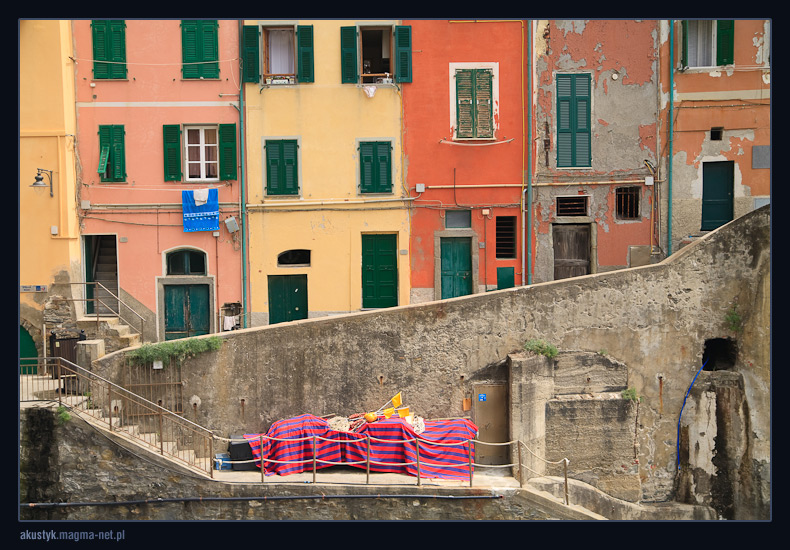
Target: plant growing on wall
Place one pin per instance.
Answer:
(63, 415)
(176, 350)
(733, 319)
(541, 348)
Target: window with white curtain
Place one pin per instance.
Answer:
(701, 43)
(280, 50)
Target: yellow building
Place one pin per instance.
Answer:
(327, 210)
(49, 250)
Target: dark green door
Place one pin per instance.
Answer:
(717, 189)
(456, 266)
(187, 311)
(379, 271)
(287, 298)
(28, 354)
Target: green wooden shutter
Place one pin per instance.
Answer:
(304, 45)
(464, 96)
(171, 138)
(251, 68)
(583, 134)
(403, 53)
(573, 121)
(348, 55)
(484, 108)
(200, 49)
(725, 41)
(112, 163)
(375, 167)
(227, 151)
(474, 103)
(109, 49)
(281, 167)
(684, 45)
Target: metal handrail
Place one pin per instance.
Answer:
(120, 410)
(98, 301)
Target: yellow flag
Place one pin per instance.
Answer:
(396, 401)
(403, 412)
(388, 412)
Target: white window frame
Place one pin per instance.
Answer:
(203, 161)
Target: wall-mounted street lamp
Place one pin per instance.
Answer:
(40, 180)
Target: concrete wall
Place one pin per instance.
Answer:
(654, 319)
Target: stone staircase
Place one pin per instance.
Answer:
(135, 437)
(115, 333)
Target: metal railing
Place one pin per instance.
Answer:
(96, 301)
(314, 461)
(124, 413)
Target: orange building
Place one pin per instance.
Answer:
(465, 138)
(718, 76)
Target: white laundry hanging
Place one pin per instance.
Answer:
(200, 196)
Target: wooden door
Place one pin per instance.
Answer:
(187, 311)
(379, 271)
(717, 190)
(456, 265)
(571, 250)
(287, 298)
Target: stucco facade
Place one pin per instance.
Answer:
(49, 253)
(141, 211)
(721, 116)
(327, 214)
(466, 168)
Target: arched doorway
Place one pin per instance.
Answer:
(28, 354)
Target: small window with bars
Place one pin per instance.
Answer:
(627, 202)
(505, 237)
(572, 206)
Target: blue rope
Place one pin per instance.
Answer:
(681, 411)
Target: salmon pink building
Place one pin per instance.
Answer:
(159, 177)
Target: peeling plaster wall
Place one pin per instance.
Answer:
(735, 98)
(621, 57)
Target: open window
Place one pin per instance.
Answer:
(707, 43)
(375, 54)
(278, 54)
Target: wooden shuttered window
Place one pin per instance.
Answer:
(200, 48)
(725, 41)
(573, 120)
(109, 49)
(692, 43)
(282, 167)
(250, 57)
(171, 139)
(375, 167)
(403, 53)
(349, 56)
(474, 103)
(305, 71)
(112, 153)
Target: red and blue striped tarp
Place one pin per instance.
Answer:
(444, 447)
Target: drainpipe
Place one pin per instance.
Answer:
(529, 160)
(242, 193)
(671, 124)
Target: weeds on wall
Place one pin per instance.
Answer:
(63, 415)
(541, 348)
(174, 350)
(733, 319)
